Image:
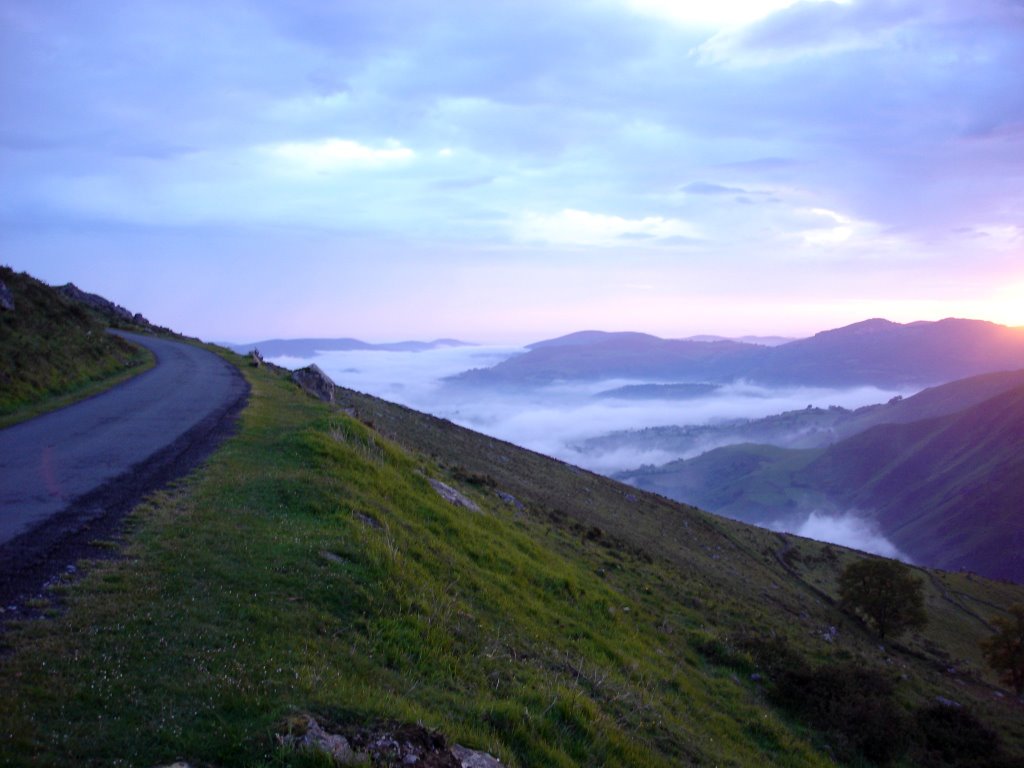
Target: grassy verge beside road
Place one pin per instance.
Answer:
(54, 352)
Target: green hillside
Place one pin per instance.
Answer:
(312, 567)
(946, 490)
(52, 347)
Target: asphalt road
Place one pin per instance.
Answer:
(65, 470)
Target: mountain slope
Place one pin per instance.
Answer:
(597, 355)
(567, 620)
(804, 428)
(873, 352)
(946, 490)
(52, 345)
(891, 354)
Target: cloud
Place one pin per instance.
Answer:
(808, 29)
(337, 154)
(706, 188)
(556, 135)
(848, 530)
(700, 14)
(574, 227)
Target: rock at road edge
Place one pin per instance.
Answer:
(315, 382)
(6, 297)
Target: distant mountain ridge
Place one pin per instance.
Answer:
(311, 347)
(873, 352)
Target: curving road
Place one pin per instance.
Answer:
(63, 472)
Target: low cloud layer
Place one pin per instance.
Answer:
(846, 529)
(556, 419)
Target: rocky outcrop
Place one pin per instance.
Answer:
(315, 382)
(449, 494)
(470, 758)
(114, 312)
(313, 738)
(511, 500)
(6, 298)
(396, 745)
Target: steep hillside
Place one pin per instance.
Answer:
(51, 345)
(379, 568)
(804, 428)
(874, 352)
(948, 490)
(751, 482)
(940, 400)
(945, 490)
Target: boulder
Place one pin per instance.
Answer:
(315, 382)
(470, 758)
(6, 297)
(449, 494)
(114, 312)
(508, 498)
(313, 738)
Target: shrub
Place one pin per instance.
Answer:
(1004, 651)
(885, 592)
(952, 736)
(853, 706)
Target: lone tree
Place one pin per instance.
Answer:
(885, 592)
(1004, 651)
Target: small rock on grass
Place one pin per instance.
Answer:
(451, 495)
(470, 758)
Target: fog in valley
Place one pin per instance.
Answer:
(847, 528)
(566, 420)
(580, 424)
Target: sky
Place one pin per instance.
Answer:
(504, 172)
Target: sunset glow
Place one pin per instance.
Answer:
(506, 172)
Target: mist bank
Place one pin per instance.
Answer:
(849, 529)
(568, 419)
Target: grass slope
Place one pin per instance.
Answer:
(54, 351)
(311, 567)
